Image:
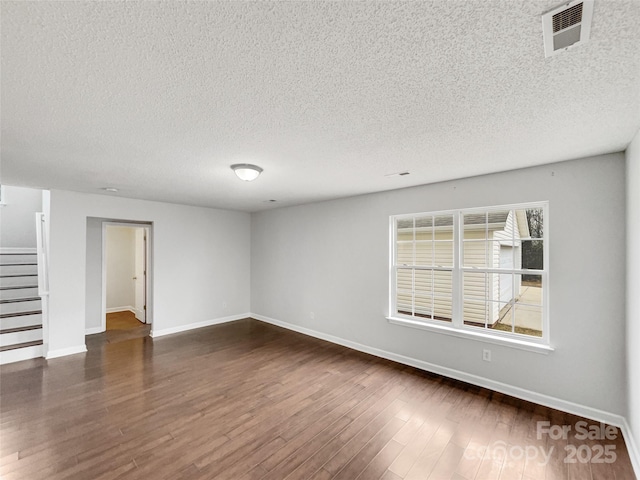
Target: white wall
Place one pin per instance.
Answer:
(17, 219)
(120, 260)
(633, 290)
(332, 259)
(200, 261)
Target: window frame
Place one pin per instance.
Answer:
(433, 267)
(456, 326)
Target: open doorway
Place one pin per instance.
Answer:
(125, 284)
(132, 297)
(126, 264)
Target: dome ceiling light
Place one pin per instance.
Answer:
(246, 171)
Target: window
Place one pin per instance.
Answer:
(478, 271)
(424, 266)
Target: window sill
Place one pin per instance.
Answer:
(470, 335)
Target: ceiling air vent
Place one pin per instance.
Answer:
(566, 26)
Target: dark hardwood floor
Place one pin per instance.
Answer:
(247, 400)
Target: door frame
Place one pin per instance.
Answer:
(143, 256)
(148, 281)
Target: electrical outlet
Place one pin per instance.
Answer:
(312, 315)
(224, 305)
(486, 355)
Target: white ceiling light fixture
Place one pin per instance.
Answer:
(246, 171)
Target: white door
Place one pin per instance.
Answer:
(139, 278)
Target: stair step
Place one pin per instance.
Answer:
(17, 258)
(8, 293)
(20, 314)
(32, 350)
(20, 337)
(21, 321)
(17, 280)
(21, 345)
(20, 329)
(17, 287)
(28, 305)
(18, 300)
(18, 268)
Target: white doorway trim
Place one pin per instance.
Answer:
(140, 275)
(148, 231)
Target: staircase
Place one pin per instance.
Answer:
(20, 306)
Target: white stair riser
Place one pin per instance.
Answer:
(21, 280)
(19, 354)
(18, 293)
(20, 306)
(22, 258)
(23, 321)
(18, 269)
(20, 337)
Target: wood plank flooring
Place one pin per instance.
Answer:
(123, 321)
(120, 326)
(247, 400)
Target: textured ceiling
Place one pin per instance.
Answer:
(159, 98)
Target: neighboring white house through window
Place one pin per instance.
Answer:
(476, 271)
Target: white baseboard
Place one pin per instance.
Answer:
(63, 352)
(127, 308)
(632, 447)
(192, 326)
(93, 330)
(531, 396)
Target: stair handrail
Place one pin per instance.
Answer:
(41, 251)
(42, 255)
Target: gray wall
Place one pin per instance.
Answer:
(332, 259)
(93, 272)
(633, 289)
(17, 219)
(200, 263)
